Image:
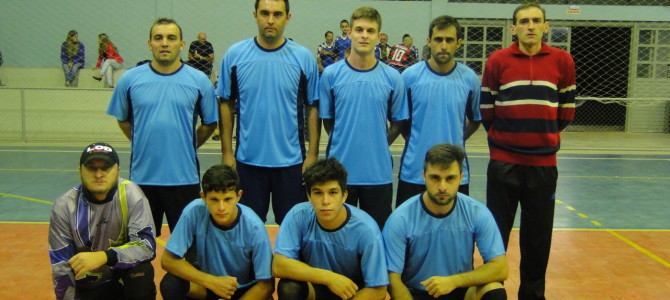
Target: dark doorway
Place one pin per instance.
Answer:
(602, 56)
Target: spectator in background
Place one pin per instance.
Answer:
(382, 49)
(326, 54)
(425, 52)
(72, 54)
(108, 60)
(342, 43)
(404, 54)
(201, 54)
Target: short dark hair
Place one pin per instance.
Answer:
(366, 12)
(528, 5)
(406, 35)
(444, 22)
(344, 21)
(220, 178)
(165, 21)
(288, 6)
(325, 170)
(327, 32)
(444, 155)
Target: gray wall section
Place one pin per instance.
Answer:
(31, 31)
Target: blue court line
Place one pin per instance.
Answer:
(613, 232)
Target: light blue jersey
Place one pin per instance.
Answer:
(354, 250)
(163, 110)
(439, 105)
(420, 245)
(272, 88)
(360, 103)
(242, 251)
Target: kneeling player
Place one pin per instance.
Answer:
(430, 238)
(327, 249)
(233, 249)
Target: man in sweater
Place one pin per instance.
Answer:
(527, 99)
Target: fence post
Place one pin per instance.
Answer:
(24, 134)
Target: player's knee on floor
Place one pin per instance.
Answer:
(290, 289)
(173, 287)
(139, 283)
(492, 291)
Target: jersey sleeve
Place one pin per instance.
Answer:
(224, 84)
(399, 109)
(141, 245)
(209, 108)
(289, 237)
(312, 73)
(119, 103)
(373, 260)
(182, 236)
(394, 243)
(487, 236)
(262, 254)
(61, 249)
(326, 96)
(472, 110)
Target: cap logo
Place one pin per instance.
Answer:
(99, 148)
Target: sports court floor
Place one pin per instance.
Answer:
(612, 223)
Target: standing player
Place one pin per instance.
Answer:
(233, 248)
(327, 249)
(383, 48)
(101, 232)
(357, 96)
(343, 42)
(430, 239)
(272, 78)
(444, 100)
(528, 98)
(157, 106)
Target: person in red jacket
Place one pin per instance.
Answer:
(527, 99)
(109, 60)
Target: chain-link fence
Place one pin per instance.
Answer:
(623, 66)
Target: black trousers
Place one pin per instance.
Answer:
(285, 185)
(509, 185)
(373, 199)
(456, 294)
(288, 289)
(406, 190)
(175, 288)
(170, 200)
(131, 284)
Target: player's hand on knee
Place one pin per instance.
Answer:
(437, 286)
(223, 286)
(85, 262)
(342, 286)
